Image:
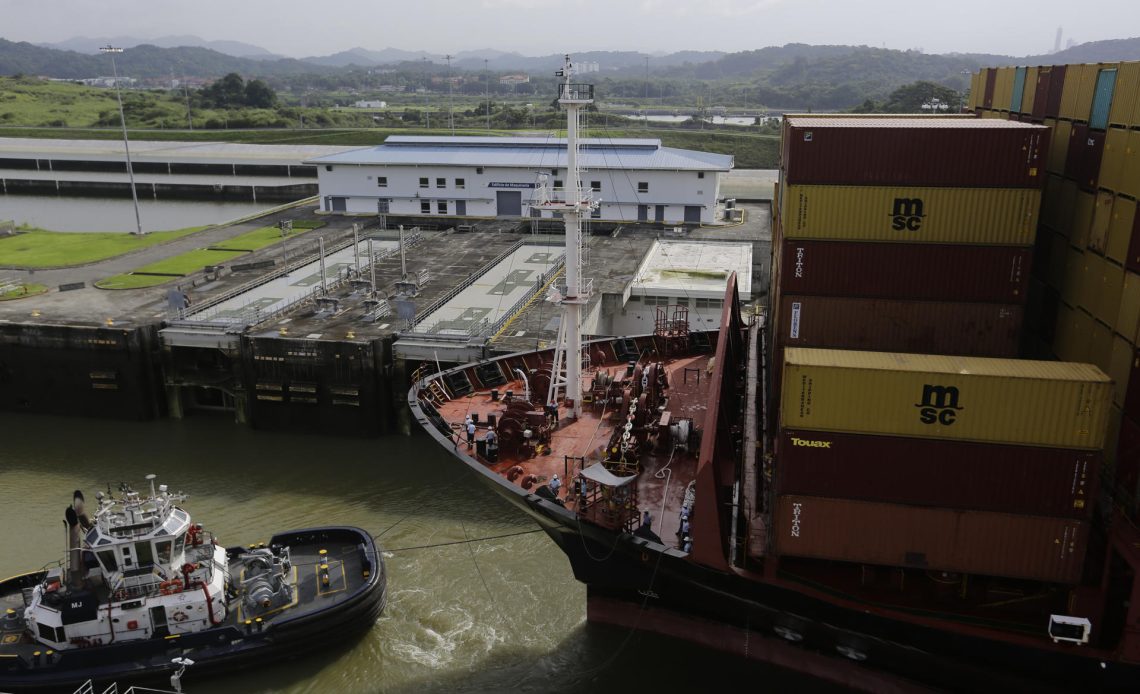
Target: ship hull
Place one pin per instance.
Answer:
(216, 650)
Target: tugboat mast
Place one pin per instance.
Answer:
(569, 349)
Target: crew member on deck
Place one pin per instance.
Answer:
(470, 433)
(555, 484)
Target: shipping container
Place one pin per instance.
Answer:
(988, 90)
(1112, 163)
(893, 325)
(1058, 259)
(1037, 548)
(1130, 171)
(974, 100)
(1080, 224)
(1056, 404)
(1119, 370)
(1102, 98)
(919, 271)
(1028, 101)
(1073, 339)
(1056, 91)
(914, 152)
(1076, 96)
(1003, 88)
(1058, 146)
(1128, 316)
(1018, 91)
(1051, 202)
(1120, 226)
(930, 472)
(975, 216)
(1101, 347)
(1041, 94)
(1107, 279)
(1086, 149)
(1128, 456)
(1132, 397)
(1101, 220)
(1125, 95)
(1133, 261)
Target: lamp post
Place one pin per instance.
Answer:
(450, 116)
(126, 143)
(487, 87)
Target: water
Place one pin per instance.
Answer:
(496, 616)
(63, 213)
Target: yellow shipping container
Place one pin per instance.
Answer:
(964, 398)
(1081, 228)
(1027, 97)
(1067, 207)
(1074, 103)
(1112, 161)
(1100, 346)
(1058, 146)
(1106, 302)
(1126, 95)
(1120, 229)
(1087, 88)
(1119, 370)
(1072, 341)
(1102, 217)
(1130, 171)
(976, 86)
(1128, 315)
(1003, 88)
(986, 216)
(1074, 287)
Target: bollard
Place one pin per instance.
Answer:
(260, 624)
(36, 658)
(249, 626)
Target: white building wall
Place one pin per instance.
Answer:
(637, 318)
(620, 191)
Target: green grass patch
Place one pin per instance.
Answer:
(37, 248)
(189, 262)
(132, 281)
(24, 290)
(308, 223)
(258, 238)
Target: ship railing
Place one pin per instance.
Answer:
(433, 306)
(88, 687)
(539, 284)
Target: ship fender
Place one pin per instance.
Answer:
(528, 481)
(514, 472)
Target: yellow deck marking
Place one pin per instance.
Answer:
(11, 638)
(343, 578)
(293, 603)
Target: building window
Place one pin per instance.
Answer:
(554, 172)
(634, 299)
(425, 207)
(441, 207)
(700, 174)
(382, 181)
(478, 169)
(423, 183)
(596, 186)
(557, 184)
(710, 303)
(681, 302)
(328, 167)
(643, 186)
(441, 183)
(460, 183)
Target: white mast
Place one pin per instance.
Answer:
(569, 348)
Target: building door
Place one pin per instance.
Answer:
(383, 206)
(659, 214)
(461, 208)
(158, 621)
(508, 203)
(338, 204)
(692, 214)
(643, 213)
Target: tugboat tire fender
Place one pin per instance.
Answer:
(528, 481)
(513, 473)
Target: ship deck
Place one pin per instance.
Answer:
(664, 472)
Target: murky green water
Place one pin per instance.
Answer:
(497, 616)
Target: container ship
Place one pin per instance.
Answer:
(884, 478)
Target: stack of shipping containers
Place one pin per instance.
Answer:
(913, 238)
(960, 464)
(1085, 293)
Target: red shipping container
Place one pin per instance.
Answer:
(973, 542)
(1133, 260)
(927, 272)
(1086, 149)
(1056, 87)
(991, 83)
(957, 152)
(891, 325)
(1041, 92)
(934, 472)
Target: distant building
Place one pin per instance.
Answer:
(635, 179)
(370, 104)
(511, 80)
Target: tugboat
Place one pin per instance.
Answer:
(144, 590)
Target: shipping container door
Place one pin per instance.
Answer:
(1102, 98)
(991, 82)
(1041, 95)
(1018, 90)
(1126, 93)
(1056, 90)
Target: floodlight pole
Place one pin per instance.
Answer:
(126, 143)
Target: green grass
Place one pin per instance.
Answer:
(188, 262)
(129, 281)
(259, 238)
(24, 290)
(37, 248)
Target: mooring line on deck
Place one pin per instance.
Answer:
(463, 542)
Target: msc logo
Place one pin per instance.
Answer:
(939, 405)
(907, 214)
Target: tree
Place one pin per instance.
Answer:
(258, 94)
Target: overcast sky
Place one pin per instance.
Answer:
(301, 28)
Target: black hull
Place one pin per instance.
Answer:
(663, 586)
(217, 650)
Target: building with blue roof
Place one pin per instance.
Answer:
(634, 179)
